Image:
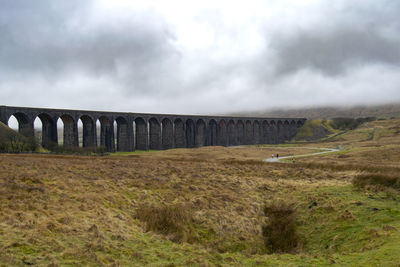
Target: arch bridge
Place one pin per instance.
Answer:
(122, 131)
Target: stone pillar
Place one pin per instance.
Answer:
(3, 115)
(240, 133)
(256, 133)
(292, 130)
(124, 135)
(265, 133)
(273, 133)
(222, 136)
(70, 132)
(212, 139)
(231, 131)
(49, 132)
(200, 133)
(248, 133)
(179, 133)
(190, 133)
(141, 134)
(155, 134)
(107, 135)
(167, 134)
(89, 132)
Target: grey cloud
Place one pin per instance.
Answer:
(60, 51)
(359, 36)
(336, 51)
(43, 38)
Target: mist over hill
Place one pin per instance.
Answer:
(379, 111)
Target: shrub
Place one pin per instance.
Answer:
(349, 123)
(280, 231)
(374, 179)
(175, 221)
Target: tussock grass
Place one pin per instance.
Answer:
(173, 220)
(280, 232)
(351, 167)
(376, 179)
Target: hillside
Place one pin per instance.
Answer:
(379, 111)
(211, 206)
(12, 141)
(6, 131)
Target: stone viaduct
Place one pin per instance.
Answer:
(150, 131)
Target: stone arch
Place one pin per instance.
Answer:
(70, 135)
(222, 138)
(107, 134)
(256, 133)
(190, 133)
(212, 138)
(12, 122)
(98, 131)
(38, 130)
(167, 134)
(49, 131)
(124, 134)
(299, 123)
(25, 124)
(141, 134)
(155, 134)
(240, 133)
(200, 133)
(179, 133)
(231, 129)
(89, 138)
(248, 138)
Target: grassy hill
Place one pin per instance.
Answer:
(12, 141)
(5, 131)
(379, 111)
(211, 206)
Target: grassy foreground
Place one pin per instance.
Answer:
(202, 207)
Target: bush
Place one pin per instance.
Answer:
(280, 231)
(175, 221)
(374, 179)
(349, 123)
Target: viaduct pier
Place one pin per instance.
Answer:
(123, 131)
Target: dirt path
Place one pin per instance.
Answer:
(326, 150)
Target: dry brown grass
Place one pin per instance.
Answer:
(87, 199)
(173, 220)
(83, 209)
(376, 179)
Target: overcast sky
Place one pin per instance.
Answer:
(204, 56)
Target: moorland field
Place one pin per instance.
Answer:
(210, 206)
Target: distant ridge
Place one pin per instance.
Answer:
(379, 111)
